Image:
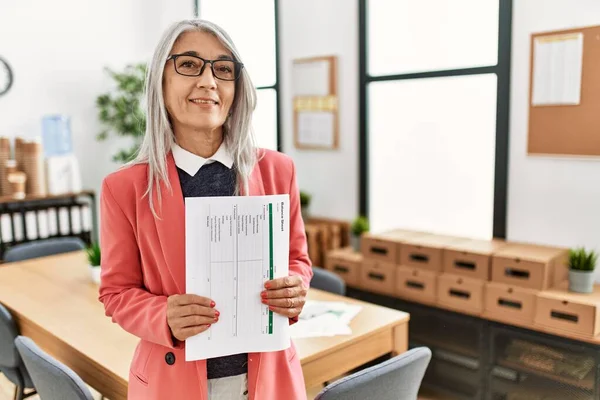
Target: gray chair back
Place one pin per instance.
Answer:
(328, 281)
(42, 248)
(398, 378)
(11, 364)
(53, 380)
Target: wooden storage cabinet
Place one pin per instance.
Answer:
(524, 363)
(345, 263)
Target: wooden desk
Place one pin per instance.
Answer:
(56, 304)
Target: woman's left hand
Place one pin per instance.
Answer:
(285, 296)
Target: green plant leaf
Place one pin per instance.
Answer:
(93, 254)
(120, 111)
(359, 226)
(582, 260)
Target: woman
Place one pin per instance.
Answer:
(198, 142)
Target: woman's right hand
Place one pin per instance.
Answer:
(189, 315)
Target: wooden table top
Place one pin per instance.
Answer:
(57, 295)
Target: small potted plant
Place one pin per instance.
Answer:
(359, 226)
(581, 270)
(305, 199)
(93, 255)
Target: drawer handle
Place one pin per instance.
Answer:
(340, 268)
(564, 316)
(379, 250)
(415, 285)
(465, 265)
(378, 277)
(509, 303)
(460, 293)
(419, 257)
(517, 273)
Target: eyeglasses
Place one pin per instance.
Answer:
(188, 65)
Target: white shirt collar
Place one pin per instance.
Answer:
(191, 163)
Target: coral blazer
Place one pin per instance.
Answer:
(143, 262)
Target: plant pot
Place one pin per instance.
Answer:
(304, 211)
(95, 273)
(355, 242)
(581, 281)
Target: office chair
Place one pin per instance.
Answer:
(11, 364)
(53, 380)
(328, 281)
(42, 248)
(398, 378)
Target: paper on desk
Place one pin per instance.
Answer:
(233, 246)
(324, 318)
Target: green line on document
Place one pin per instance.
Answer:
(270, 260)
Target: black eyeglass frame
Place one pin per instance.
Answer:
(238, 66)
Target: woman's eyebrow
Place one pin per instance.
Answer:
(219, 57)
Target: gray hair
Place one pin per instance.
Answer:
(159, 137)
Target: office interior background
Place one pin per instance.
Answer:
(433, 105)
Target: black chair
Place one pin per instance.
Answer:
(328, 281)
(42, 248)
(11, 364)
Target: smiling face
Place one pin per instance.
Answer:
(197, 103)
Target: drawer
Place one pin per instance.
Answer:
(346, 264)
(569, 313)
(378, 277)
(508, 384)
(425, 252)
(509, 303)
(530, 266)
(471, 258)
(460, 293)
(378, 249)
(416, 284)
(476, 266)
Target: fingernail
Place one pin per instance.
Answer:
(216, 319)
(263, 294)
(268, 285)
(212, 303)
(208, 326)
(217, 313)
(264, 301)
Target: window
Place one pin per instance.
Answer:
(434, 115)
(259, 54)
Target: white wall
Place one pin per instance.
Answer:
(311, 28)
(58, 50)
(550, 200)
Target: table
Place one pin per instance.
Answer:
(56, 304)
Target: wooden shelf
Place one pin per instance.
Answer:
(587, 383)
(446, 345)
(11, 200)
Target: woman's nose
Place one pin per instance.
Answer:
(206, 79)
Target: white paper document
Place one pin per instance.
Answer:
(233, 246)
(316, 128)
(324, 318)
(558, 63)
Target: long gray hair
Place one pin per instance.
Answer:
(159, 137)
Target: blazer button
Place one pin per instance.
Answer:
(170, 358)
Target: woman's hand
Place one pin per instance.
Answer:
(285, 296)
(189, 315)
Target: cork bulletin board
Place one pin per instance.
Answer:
(315, 103)
(571, 127)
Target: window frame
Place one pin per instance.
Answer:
(501, 69)
(275, 86)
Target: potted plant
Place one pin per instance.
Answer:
(581, 270)
(305, 199)
(93, 255)
(121, 112)
(359, 226)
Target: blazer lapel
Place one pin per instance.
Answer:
(171, 225)
(255, 182)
